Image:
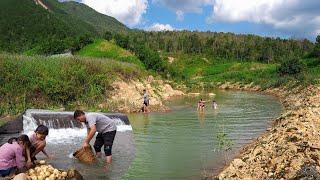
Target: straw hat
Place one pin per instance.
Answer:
(85, 155)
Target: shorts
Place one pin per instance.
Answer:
(146, 103)
(106, 140)
(7, 172)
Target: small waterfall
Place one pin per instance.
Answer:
(62, 126)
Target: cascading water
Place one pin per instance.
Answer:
(63, 121)
(66, 135)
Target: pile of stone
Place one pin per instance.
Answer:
(45, 171)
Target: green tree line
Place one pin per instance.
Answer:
(223, 45)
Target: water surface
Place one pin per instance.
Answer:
(181, 144)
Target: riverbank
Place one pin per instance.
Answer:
(290, 148)
(68, 83)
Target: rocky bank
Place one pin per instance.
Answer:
(290, 149)
(127, 96)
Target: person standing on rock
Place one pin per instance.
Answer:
(106, 129)
(146, 101)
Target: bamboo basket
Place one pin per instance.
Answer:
(85, 155)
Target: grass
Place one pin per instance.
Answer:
(196, 70)
(108, 49)
(51, 83)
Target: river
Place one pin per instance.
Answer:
(180, 144)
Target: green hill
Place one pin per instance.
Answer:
(108, 49)
(26, 26)
(100, 22)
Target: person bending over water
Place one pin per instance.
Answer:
(106, 129)
(201, 105)
(11, 155)
(38, 142)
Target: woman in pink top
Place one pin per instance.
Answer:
(11, 156)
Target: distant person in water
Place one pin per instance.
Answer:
(11, 155)
(146, 101)
(38, 142)
(201, 105)
(106, 129)
(214, 104)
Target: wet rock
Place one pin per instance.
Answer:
(12, 126)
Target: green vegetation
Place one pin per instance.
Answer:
(150, 58)
(106, 49)
(40, 82)
(196, 70)
(291, 67)
(77, 12)
(27, 27)
(223, 45)
(224, 144)
(191, 58)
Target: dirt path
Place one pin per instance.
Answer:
(41, 4)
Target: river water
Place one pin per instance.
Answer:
(181, 144)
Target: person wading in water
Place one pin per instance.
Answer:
(201, 105)
(106, 129)
(146, 101)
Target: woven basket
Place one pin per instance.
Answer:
(85, 155)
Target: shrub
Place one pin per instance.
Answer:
(292, 66)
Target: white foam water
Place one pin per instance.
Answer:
(63, 135)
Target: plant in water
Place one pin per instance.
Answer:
(224, 144)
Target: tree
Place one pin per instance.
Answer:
(316, 50)
(108, 35)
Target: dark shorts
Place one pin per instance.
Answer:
(106, 140)
(146, 103)
(7, 172)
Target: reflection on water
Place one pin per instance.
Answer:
(176, 145)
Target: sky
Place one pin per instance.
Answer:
(274, 18)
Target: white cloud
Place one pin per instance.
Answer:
(297, 17)
(128, 12)
(181, 7)
(180, 15)
(160, 27)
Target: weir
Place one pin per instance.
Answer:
(64, 120)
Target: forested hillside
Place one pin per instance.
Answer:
(27, 27)
(223, 45)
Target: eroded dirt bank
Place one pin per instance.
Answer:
(127, 96)
(288, 150)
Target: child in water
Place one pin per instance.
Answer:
(214, 104)
(201, 105)
(38, 142)
(11, 155)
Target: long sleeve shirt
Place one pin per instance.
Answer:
(11, 156)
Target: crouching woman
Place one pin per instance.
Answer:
(11, 155)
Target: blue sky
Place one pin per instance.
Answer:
(275, 18)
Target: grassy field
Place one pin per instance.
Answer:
(105, 49)
(42, 82)
(195, 70)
